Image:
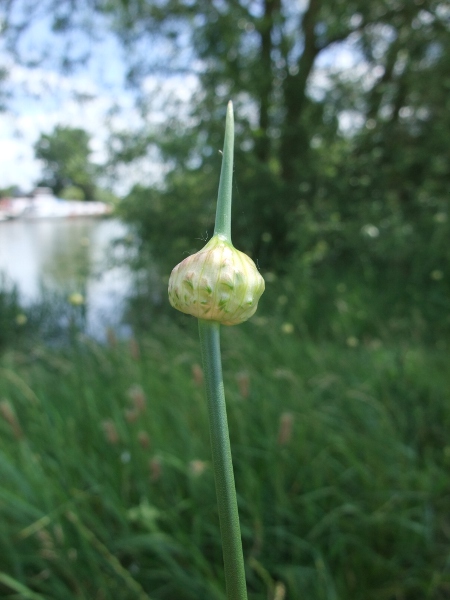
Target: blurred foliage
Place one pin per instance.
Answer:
(341, 449)
(67, 167)
(341, 461)
(53, 320)
(72, 192)
(327, 152)
(12, 317)
(291, 151)
(350, 185)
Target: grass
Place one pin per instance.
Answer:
(341, 462)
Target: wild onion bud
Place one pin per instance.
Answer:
(218, 283)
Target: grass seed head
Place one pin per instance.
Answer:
(110, 431)
(8, 414)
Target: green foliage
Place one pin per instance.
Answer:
(389, 253)
(341, 460)
(72, 192)
(8, 191)
(12, 316)
(315, 168)
(288, 139)
(184, 207)
(51, 320)
(363, 208)
(65, 153)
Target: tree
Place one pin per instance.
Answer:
(291, 150)
(66, 157)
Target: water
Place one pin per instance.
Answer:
(64, 257)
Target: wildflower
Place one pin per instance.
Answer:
(219, 283)
(76, 299)
(21, 319)
(370, 231)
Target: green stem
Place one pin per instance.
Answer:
(223, 211)
(220, 440)
(223, 467)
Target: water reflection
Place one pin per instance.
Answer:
(66, 256)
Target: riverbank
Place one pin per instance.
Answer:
(341, 459)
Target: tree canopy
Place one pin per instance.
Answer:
(308, 131)
(65, 154)
(342, 112)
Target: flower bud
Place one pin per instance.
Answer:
(218, 283)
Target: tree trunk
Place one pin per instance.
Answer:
(293, 141)
(262, 147)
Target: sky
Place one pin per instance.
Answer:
(95, 98)
(42, 97)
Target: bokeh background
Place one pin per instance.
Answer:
(338, 388)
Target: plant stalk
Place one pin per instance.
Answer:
(223, 210)
(218, 424)
(222, 462)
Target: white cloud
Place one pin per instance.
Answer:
(43, 98)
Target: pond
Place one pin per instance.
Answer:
(64, 257)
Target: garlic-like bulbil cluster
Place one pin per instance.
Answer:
(218, 283)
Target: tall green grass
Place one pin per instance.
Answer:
(341, 461)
